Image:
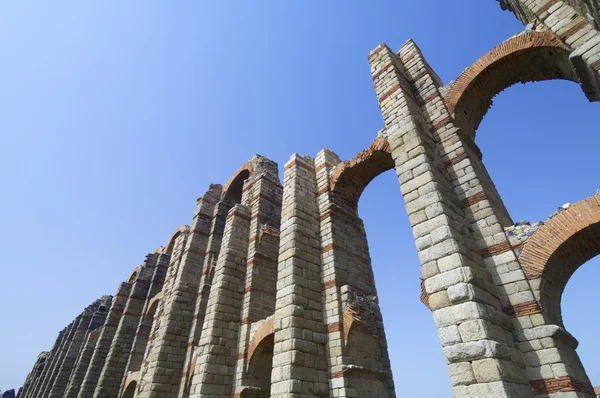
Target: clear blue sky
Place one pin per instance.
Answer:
(116, 115)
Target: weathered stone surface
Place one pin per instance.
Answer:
(270, 291)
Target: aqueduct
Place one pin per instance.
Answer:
(270, 291)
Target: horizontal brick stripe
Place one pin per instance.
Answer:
(299, 163)
(441, 124)
(329, 284)
(474, 199)
(560, 384)
(545, 7)
(455, 159)
(382, 70)
(577, 27)
(496, 249)
(334, 327)
(389, 92)
(520, 310)
(406, 59)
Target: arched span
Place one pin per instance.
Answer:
(265, 330)
(558, 248)
(184, 229)
(528, 57)
(233, 188)
(130, 390)
(351, 177)
(134, 274)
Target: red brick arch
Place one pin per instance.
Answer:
(171, 242)
(265, 330)
(233, 187)
(351, 177)
(528, 57)
(559, 248)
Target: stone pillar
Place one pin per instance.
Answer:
(161, 375)
(476, 335)
(82, 364)
(299, 358)
(144, 328)
(264, 194)
(357, 348)
(56, 363)
(114, 368)
(92, 317)
(34, 375)
(90, 381)
(34, 389)
(218, 344)
(208, 270)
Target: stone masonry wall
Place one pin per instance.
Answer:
(270, 291)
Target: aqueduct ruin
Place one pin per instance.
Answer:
(270, 291)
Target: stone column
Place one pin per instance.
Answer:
(144, 328)
(64, 372)
(90, 381)
(218, 344)
(264, 194)
(56, 363)
(114, 368)
(299, 358)
(161, 376)
(33, 390)
(82, 364)
(208, 270)
(99, 310)
(34, 375)
(475, 334)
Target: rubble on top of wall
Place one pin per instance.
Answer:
(521, 231)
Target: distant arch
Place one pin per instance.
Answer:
(184, 229)
(233, 189)
(558, 248)
(130, 390)
(527, 57)
(350, 178)
(134, 274)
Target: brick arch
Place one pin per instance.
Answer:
(233, 188)
(559, 248)
(351, 177)
(528, 57)
(130, 390)
(265, 330)
(184, 229)
(134, 274)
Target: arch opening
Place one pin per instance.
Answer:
(365, 350)
(527, 57)
(130, 390)
(260, 365)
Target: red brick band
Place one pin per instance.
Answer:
(455, 160)
(561, 384)
(299, 163)
(391, 91)
(474, 199)
(496, 249)
(520, 310)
